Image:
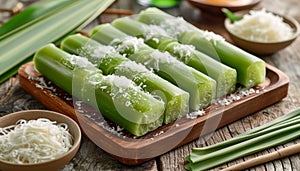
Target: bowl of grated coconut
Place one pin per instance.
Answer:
(262, 32)
(37, 140)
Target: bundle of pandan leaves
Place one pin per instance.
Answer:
(39, 24)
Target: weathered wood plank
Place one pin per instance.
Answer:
(13, 98)
(91, 157)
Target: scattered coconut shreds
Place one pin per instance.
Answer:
(152, 31)
(236, 96)
(129, 43)
(133, 66)
(195, 114)
(156, 40)
(175, 27)
(68, 98)
(118, 131)
(100, 51)
(78, 106)
(98, 119)
(159, 133)
(184, 52)
(121, 82)
(210, 36)
(41, 83)
(158, 57)
(80, 62)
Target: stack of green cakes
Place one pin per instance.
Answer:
(142, 73)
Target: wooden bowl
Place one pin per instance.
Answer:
(262, 48)
(215, 8)
(51, 165)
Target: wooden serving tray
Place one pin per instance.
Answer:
(132, 151)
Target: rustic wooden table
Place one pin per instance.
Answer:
(13, 98)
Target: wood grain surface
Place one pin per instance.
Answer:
(90, 157)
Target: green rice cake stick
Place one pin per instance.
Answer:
(117, 98)
(110, 62)
(250, 69)
(201, 88)
(157, 38)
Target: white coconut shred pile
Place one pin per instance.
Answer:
(262, 26)
(34, 141)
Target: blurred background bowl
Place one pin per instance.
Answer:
(214, 6)
(262, 48)
(51, 165)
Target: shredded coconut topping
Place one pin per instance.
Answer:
(99, 51)
(121, 82)
(158, 57)
(184, 51)
(208, 35)
(133, 66)
(152, 31)
(176, 26)
(129, 43)
(80, 62)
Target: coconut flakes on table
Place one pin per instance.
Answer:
(195, 114)
(41, 83)
(159, 133)
(99, 120)
(236, 96)
(262, 26)
(118, 130)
